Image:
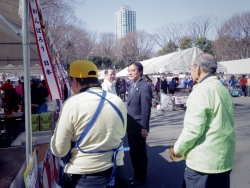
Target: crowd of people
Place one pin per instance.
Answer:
(235, 82)
(232, 82)
(172, 86)
(12, 96)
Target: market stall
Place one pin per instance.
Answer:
(237, 68)
(28, 48)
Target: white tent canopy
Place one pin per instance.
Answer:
(177, 62)
(11, 47)
(241, 66)
(101, 74)
(18, 70)
(11, 36)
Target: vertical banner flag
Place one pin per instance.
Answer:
(48, 174)
(45, 59)
(62, 71)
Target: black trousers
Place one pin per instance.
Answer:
(195, 179)
(97, 180)
(244, 90)
(138, 155)
(171, 91)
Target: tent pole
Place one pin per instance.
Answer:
(26, 67)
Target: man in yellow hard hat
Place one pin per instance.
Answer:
(91, 126)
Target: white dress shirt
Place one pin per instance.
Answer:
(108, 86)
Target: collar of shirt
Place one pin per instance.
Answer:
(135, 83)
(91, 86)
(108, 82)
(206, 77)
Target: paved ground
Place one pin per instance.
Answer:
(164, 131)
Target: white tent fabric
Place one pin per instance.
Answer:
(101, 74)
(241, 66)
(174, 62)
(18, 70)
(10, 42)
(177, 62)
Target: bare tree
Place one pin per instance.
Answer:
(233, 39)
(199, 27)
(169, 33)
(70, 35)
(136, 46)
(49, 6)
(107, 43)
(86, 44)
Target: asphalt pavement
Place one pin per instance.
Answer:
(165, 128)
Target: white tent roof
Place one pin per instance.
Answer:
(10, 40)
(241, 66)
(101, 74)
(18, 70)
(177, 62)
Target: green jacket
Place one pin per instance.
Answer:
(208, 138)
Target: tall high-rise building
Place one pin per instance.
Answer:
(125, 22)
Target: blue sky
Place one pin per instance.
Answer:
(153, 14)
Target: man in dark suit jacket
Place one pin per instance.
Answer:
(139, 104)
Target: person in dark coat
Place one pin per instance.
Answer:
(158, 85)
(122, 89)
(42, 93)
(34, 92)
(164, 85)
(65, 91)
(46, 92)
(117, 86)
(139, 105)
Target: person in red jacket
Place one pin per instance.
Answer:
(243, 82)
(10, 98)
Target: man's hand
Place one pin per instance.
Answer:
(176, 155)
(144, 133)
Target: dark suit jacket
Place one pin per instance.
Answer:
(139, 105)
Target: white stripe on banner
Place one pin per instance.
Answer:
(62, 71)
(45, 59)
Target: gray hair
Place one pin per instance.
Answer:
(207, 62)
(106, 71)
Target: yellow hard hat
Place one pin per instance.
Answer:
(83, 69)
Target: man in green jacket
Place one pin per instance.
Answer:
(207, 140)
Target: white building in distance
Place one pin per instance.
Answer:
(125, 22)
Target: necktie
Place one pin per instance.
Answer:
(132, 88)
